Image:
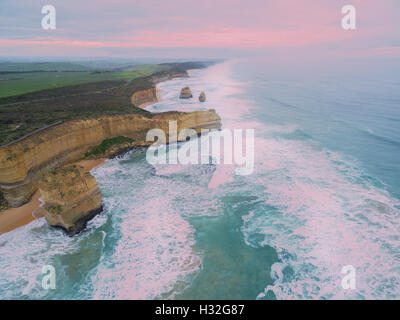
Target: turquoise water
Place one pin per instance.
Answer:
(325, 192)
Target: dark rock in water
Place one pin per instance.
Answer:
(202, 97)
(186, 93)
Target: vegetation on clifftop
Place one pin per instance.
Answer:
(107, 143)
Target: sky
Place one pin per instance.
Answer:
(199, 29)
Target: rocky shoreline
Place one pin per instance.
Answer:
(13, 218)
(25, 163)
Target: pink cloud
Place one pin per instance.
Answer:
(393, 52)
(230, 24)
(216, 38)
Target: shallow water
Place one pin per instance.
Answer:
(324, 193)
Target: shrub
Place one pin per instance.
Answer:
(107, 143)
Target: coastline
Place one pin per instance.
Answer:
(14, 218)
(158, 99)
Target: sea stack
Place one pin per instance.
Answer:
(72, 197)
(185, 93)
(202, 97)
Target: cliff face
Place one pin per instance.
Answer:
(144, 97)
(22, 162)
(72, 197)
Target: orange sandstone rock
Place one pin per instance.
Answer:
(72, 197)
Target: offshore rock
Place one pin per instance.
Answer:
(72, 197)
(202, 97)
(186, 93)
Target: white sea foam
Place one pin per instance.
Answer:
(155, 255)
(24, 252)
(154, 246)
(329, 216)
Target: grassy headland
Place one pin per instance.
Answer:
(22, 78)
(35, 95)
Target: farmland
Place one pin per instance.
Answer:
(21, 78)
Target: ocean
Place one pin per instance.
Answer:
(324, 193)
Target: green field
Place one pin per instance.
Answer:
(20, 78)
(42, 66)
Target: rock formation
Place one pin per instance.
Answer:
(72, 197)
(202, 97)
(143, 98)
(22, 163)
(185, 93)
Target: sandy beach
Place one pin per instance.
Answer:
(91, 164)
(13, 218)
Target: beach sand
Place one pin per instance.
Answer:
(91, 164)
(13, 218)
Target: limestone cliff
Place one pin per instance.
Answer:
(72, 197)
(144, 97)
(22, 163)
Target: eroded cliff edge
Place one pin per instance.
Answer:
(22, 162)
(72, 197)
